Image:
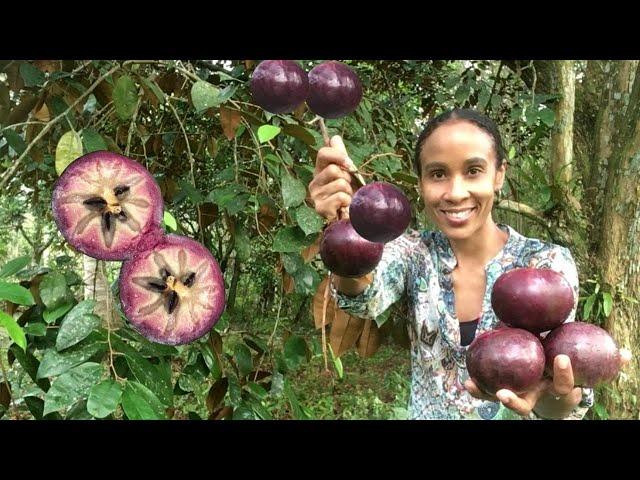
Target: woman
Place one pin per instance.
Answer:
(447, 275)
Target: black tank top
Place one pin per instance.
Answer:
(468, 331)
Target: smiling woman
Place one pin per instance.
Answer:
(447, 274)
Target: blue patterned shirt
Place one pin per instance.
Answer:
(419, 266)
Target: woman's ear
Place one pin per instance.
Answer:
(500, 175)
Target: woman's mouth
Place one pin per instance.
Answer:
(458, 216)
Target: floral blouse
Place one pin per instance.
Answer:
(420, 264)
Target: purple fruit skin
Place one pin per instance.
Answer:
(150, 233)
(334, 90)
(535, 299)
(129, 301)
(509, 358)
(380, 212)
(279, 86)
(595, 358)
(346, 253)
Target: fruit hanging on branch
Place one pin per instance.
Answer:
(108, 206)
(535, 299)
(174, 292)
(279, 86)
(380, 212)
(334, 90)
(595, 357)
(347, 254)
(509, 358)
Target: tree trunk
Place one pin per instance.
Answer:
(569, 226)
(619, 252)
(96, 288)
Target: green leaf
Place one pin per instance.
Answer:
(104, 398)
(32, 76)
(204, 96)
(292, 262)
(92, 141)
(268, 132)
(194, 195)
(153, 86)
(306, 280)
(588, 306)
(51, 315)
(337, 363)
(78, 412)
(146, 372)
(548, 116)
(243, 412)
(54, 363)
(257, 390)
(297, 410)
(235, 392)
(125, 97)
(227, 196)
(243, 359)
(308, 220)
(53, 290)
(140, 403)
(293, 191)
(295, 351)
(147, 348)
(15, 141)
(71, 386)
(15, 331)
(68, 149)
(14, 266)
(512, 153)
(291, 239)
(30, 364)
(242, 244)
(210, 360)
(15, 294)
(37, 329)
(607, 303)
(35, 406)
(77, 325)
(170, 221)
(226, 93)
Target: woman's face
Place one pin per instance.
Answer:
(459, 178)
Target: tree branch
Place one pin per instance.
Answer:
(524, 210)
(25, 236)
(7, 176)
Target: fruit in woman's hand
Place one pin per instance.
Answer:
(535, 299)
(279, 86)
(334, 90)
(509, 358)
(107, 206)
(595, 357)
(173, 293)
(380, 212)
(346, 253)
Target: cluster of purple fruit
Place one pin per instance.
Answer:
(379, 212)
(529, 301)
(331, 89)
(109, 207)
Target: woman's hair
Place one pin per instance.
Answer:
(478, 119)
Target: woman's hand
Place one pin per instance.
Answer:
(548, 398)
(332, 186)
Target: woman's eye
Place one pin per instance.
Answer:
(438, 174)
(475, 171)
